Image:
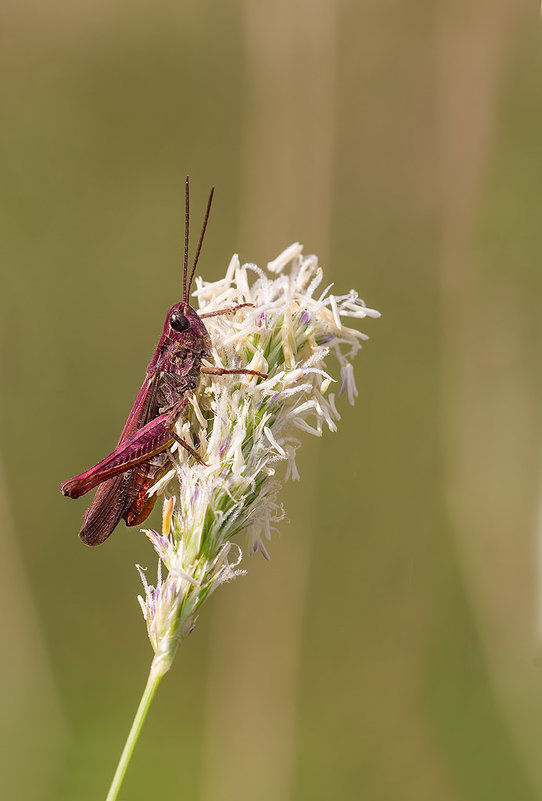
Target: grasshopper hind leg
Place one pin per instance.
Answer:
(137, 514)
(143, 478)
(124, 496)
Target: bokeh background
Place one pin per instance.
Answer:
(391, 648)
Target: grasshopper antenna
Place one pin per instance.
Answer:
(186, 230)
(205, 219)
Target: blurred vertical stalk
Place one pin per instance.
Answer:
(29, 689)
(286, 196)
(489, 417)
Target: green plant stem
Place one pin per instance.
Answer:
(155, 677)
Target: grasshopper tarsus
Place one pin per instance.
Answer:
(190, 449)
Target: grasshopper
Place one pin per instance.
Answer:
(140, 458)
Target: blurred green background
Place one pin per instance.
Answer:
(390, 649)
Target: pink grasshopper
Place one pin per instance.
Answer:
(140, 458)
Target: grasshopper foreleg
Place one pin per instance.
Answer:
(233, 371)
(231, 310)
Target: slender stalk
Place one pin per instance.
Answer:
(155, 677)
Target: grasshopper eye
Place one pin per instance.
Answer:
(179, 322)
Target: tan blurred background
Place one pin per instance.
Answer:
(391, 648)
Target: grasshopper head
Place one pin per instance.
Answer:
(185, 327)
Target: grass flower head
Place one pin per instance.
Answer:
(247, 429)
